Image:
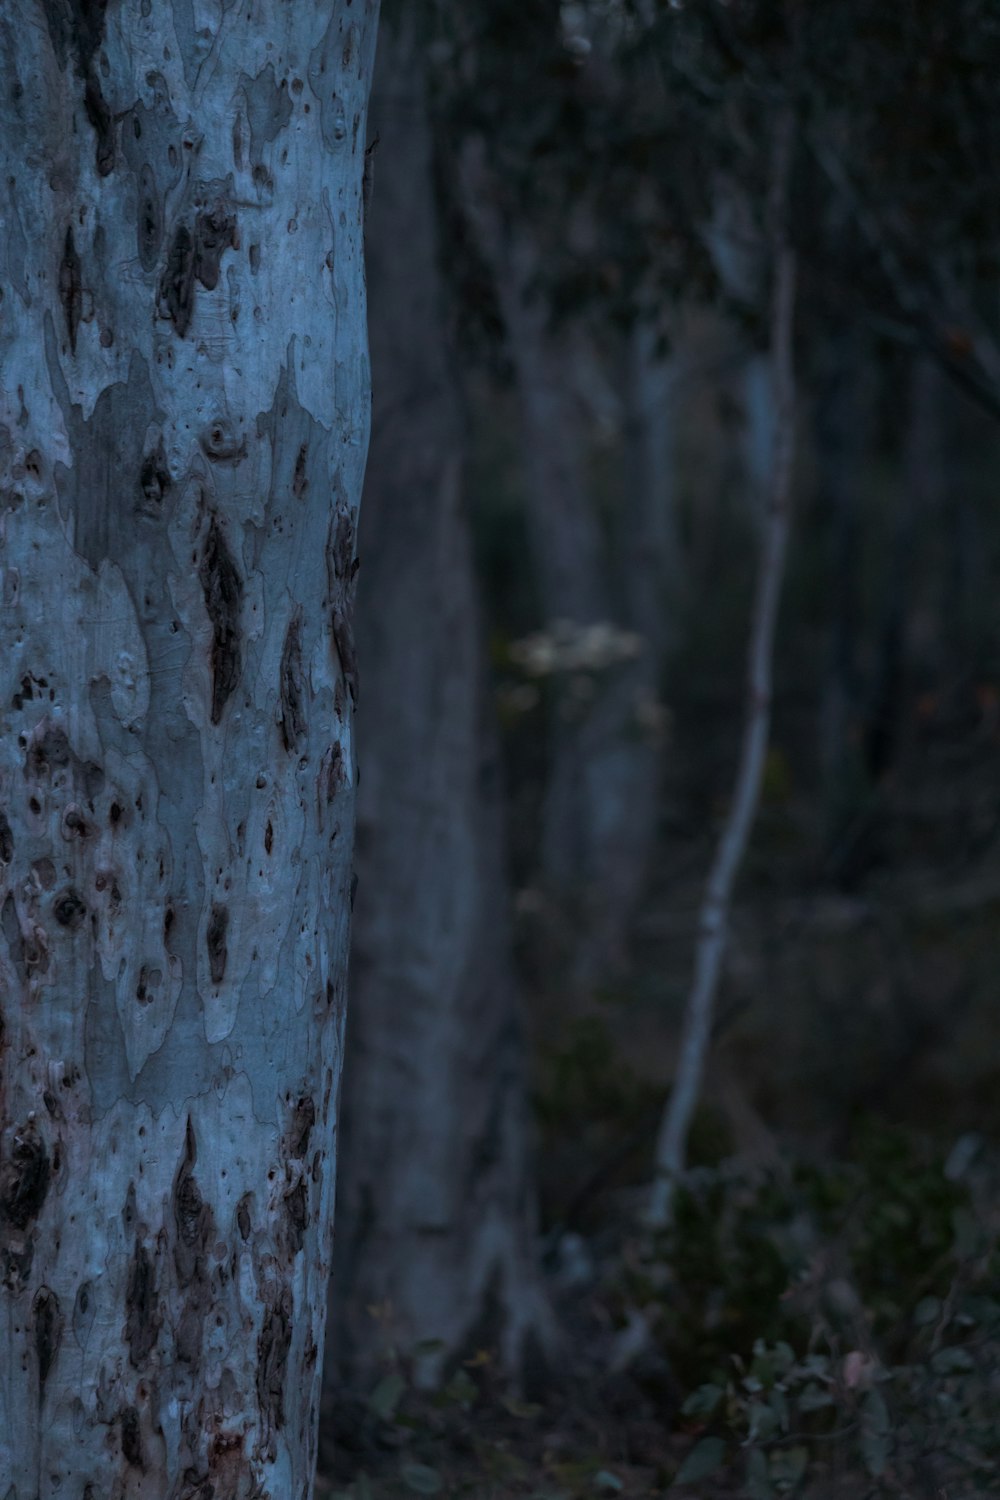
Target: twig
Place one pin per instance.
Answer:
(714, 917)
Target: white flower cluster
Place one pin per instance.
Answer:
(566, 647)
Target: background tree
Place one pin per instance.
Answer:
(182, 437)
(436, 1254)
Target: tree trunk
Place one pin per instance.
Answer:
(433, 1177)
(183, 428)
(603, 769)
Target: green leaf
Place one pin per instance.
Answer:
(788, 1467)
(420, 1478)
(927, 1310)
(763, 1421)
(705, 1457)
(758, 1482)
(462, 1389)
(386, 1396)
(703, 1401)
(814, 1397)
(954, 1361)
(522, 1409)
(875, 1427)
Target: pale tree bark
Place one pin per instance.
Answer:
(713, 924)
(603, 769)
(183, 428)
(434, 1193)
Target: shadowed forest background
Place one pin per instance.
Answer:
(670, 305)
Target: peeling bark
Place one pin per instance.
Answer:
(181, 421)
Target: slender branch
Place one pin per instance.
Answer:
(714, 916)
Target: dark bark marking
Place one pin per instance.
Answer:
(99, 114)
(220, 442)
(273, 1345)
(300, 483)
(49, 751)
(83, 1314)
(177, 281)
(78, 24)
(154, 476)
(15, 1265)
(24, 1178)
(48, 1321)
(214, 234)
(68, 908)
(215, 939)
(243, 1216)
(223, 590)
(192, 1215)
(343, 562)
(342, 568)
(149, 223)
(300, 1127)
(53, 1106)
(93, 781)
(71, 288)
(142, 1318)
(6, 841)
(297, 1211)
(131, 1437)
(343, 636)
(293, 715)
(11, 928)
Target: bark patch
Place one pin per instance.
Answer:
(273, 1345)
(300, 1128)
(71, 288)
(11, 929)
(142, 1320)
(192, 1215)
(177, 281)
(223, 590)
(69, 909)
(342, 568)
(48, 1321)
(6, 841)
(24, 1178)
(293, 714)
(214, 233)
(297, 1212)
(49, 751)
(98, 112)
(299, 481)
(131, 1437)
(154, 477)
(149, 224)
(218, 927)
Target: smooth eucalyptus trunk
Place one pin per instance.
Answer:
(435, 1258)
(183, 427)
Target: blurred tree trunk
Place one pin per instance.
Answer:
(841, 429)
(600, 801)
(183, 427)
(434, 1191)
